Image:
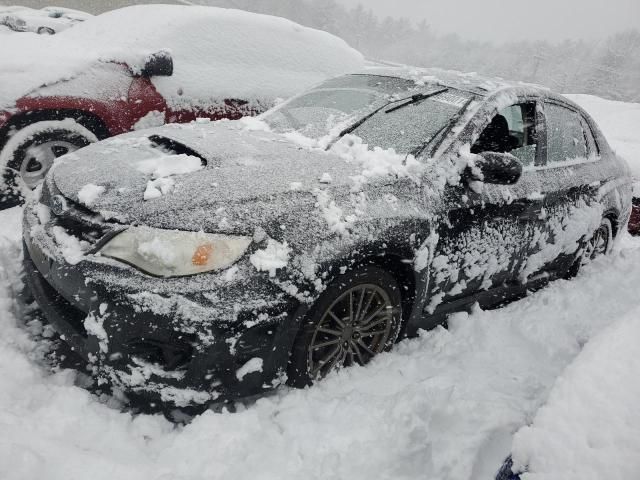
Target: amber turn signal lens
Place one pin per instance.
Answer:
(202, 254)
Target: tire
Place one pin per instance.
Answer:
(600, 243)
(30, 153)
(328, 340)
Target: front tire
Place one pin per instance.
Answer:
(356, 318)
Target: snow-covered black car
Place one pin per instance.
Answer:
(211, 262)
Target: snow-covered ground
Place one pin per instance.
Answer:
(442, 406)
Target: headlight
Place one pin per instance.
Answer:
(172, 253)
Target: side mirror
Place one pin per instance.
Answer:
(498, 168)
(159, 64)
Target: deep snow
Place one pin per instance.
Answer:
(442, 406)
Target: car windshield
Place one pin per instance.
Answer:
(385, 112)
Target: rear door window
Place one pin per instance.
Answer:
(566, 136)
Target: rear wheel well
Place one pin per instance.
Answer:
(88, 120)
(613, 218)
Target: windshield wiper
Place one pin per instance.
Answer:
(412, 99)
(417, 98)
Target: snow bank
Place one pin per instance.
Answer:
(218, 53)
(590, 427)
(442, 406)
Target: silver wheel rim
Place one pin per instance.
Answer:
(355, 328)
(597, 245)
(38, 159)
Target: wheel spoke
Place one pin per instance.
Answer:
(373, 334)
(366, 348)
(351, 355)
(322, 362)
(358, 353)
(366, 308)
(357, 317)
(325, 344)
(373, 323)
(329, 331)
(350, 306)
(335, 360)
(336, 319)
(374, 314)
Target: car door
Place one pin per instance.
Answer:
(570, 179)
(487, 234)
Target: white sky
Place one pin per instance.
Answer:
(498, 20)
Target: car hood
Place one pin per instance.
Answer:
(242, 167)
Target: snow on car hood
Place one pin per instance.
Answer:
(130, 179)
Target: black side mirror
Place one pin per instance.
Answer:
(498, 168)
(158, 64)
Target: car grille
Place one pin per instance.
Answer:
(74, 218)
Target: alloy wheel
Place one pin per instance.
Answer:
(357, 326)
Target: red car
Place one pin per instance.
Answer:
(143, 66)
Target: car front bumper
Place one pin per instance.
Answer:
(172, 342)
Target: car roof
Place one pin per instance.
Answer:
(467, 81)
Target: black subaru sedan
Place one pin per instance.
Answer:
(209, 263)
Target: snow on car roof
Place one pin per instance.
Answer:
(468, 81)
(218, 53)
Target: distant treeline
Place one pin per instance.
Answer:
(609, 68)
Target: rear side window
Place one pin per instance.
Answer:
(566, 137)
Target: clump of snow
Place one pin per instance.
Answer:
(158, 187)
(376, 162)
(167, 165)
(152, 119)
(326, 178)
(161, 169)
(73, 249)
(89, 193)
(333, 214)
(158, 251)
(94, 326)
(271, 258)
(253, 365)
(255, 124)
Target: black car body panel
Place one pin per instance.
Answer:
(450, 241)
